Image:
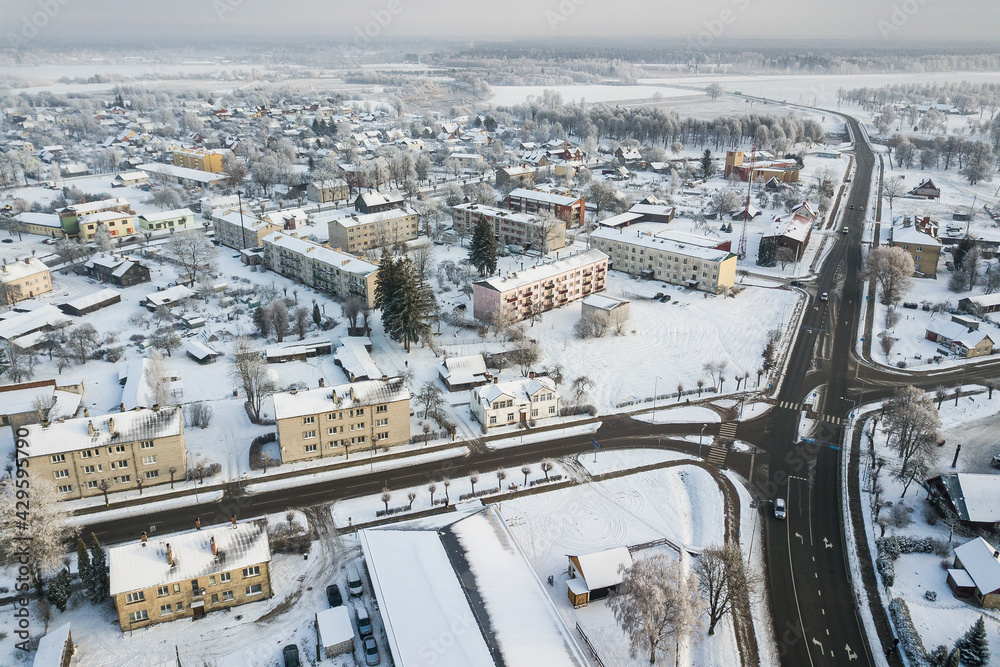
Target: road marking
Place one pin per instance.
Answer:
(827, 543)
(815, 575)
(817, 643)
(791, 569)
(823, 610)
(801, 539)
(819, 592)
(851, 655)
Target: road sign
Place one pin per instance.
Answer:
(596, 444)
(811, 441)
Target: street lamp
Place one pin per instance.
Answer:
(854, 406)
(657, 378)
(701, 438)
(239, 198)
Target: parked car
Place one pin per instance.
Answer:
(354, 581)
(364, 621)
(371, 651)
(665, 298)
(333, 595)
(779, 508)
(825, 296)
(995, 461)
(291, 655)
(845, 230)
(796, 283)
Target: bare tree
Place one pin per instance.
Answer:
(913, 424)
(45, 526)
(248, 372)
(525, 355)
(657, 601)
(386, 497)
(277, 313)
(431, 398)
(352, 310)
(193, 252)
(891, 189)
(891, 268)
(526, 470)
(545, 231)
(302, 319)
(155, 374)
(724, 581)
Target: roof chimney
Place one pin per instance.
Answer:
(90, 429)
(322, 382)
(111, 426)
(197, 523)
(212, 542)
(233, 519)
(86, 412)
(142, 536)
(121, 407)
(156, 407)
(170, 556)
(293, 392)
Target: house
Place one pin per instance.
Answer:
(653, 212)
(23, 279)
(981, 304)
(465, 161)
(70, 216)
(463, 373)
(200, 352)
(628, 155)
(515, 176)
(959, 338)
(239, 230)
(975, 573)
(129, 178)
(120, 271)
(784, 171)
(186, 575)
(568, 209)
(595, 576)
(42, 224)
(654, 252)
(91, 302)
(357, 233)
(321, 267)
(116, 452)
(926, 190)
(971, 497)
(604, 310)
(184, 176)
(515, 402)
(335, 631)
(167, 298)
(201, 159)
(117, 223)
(512, 228)
(328, 191)
(541, 287)
(793, 234)
(177, 219)
(337, 420)
(26, 329)
(55, 649)
(922, 247)
(354, 357)
(488, 601)
(376, 202)
(30, 402)
(298, 350)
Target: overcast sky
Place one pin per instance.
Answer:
(878, 21)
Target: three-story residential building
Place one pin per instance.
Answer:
(321, 267)
(23, 279)
(190, 574)
(241, 231)
(117, 449)
(338, 420)
(512, 228)
(357, 233)
(70, 216)
(117, 223)
(567, 208)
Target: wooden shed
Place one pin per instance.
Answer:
(594, 576)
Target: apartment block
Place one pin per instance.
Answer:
(357, 233)
(117, 223)
(567, 208)
(23, 279)
(330, 421)
(648, 251)
(200, 159)
(241, 231)
(70, 216)
(117, 449)
(188, 575)
(512, 228)
(321, 267)
(541, 287)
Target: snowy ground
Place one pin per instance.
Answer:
(972, 424)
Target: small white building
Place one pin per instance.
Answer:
(515, 402)
(335, 632)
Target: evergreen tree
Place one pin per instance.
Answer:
(706, 164)
(317, 316)
(413, 307)
(483, 248)
(83, 566)
(388, 285)
(974, 646)
(767, 253)
(60, 589)
(99, 585)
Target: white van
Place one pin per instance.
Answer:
(354, 581)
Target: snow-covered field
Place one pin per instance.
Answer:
(511, 95)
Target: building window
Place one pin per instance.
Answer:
(152, 474)
(225, 576)
(61, 474)
(309, 434)
(215, 598)
(382, 436)
(254, 590)
(66, 488)
(510, 416)
(310, 448)
(381, 422)
(552, 409)
(89, 470)
(493, 419)
(227, 596)
(125, 479)
(148, 444)
(381, 408)
(162, 590)
(92, 484)
(251, 571)
(211, 580)
(177, 588)
(180, 607)
(148, 460)
(166, 610)
(85, 454)
(137, 616)
(309, 420)
(137, 596)
(58, 458)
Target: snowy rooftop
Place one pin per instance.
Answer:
(21, 323)
(493, 211)
(643, 236)
(912, 235)
(380, 198)
(381, 216)
(43, 219)
(600, 569)
(981, 562)
(343, 261)
(353, 357)
(334, 626)
(547, 197)
(195, 175)
(102, 205)
(314, 401)
(21, 269)
(621, 219)
(51, 647)
(603, 302)
(94, 298)
(170, 295)
(167, 215)
(136, 567)
(541, 272)
(975, 496)
(132, 426)
(464, 570)
(520, 390)
(464, 370)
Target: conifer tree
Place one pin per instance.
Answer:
(388, 284)
(483, 248)
(99, 585)
(83, 566)
(60, 589)
(974, 646)
(413, 308)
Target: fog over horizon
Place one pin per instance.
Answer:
(885, 23)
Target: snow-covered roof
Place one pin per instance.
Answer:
(100, 296)
(603, 302)
(131, 426)
(94, 206)
(464, 570)
(464, 370)
(912, 235)
(983, 300)
(168, 215)
(319, 253)
(652, 209)
(541, 272)
(185, 173)
(621, 219)
(19, 324)
(643, 235)
(21, 269)
(975, 496)
(961, 578)
(199, 350)
(340, 397)
(170, 295)
(380, 198)
(520, 390)
(953, 331)
(51, 647)
(136, 566)
(980, 560)
(494, 212)
(334, 626)
(381, 216)
(15, 400)
(796, 227)
(546, 197)
(353, 357)
(600, 569)
(103, 216)
(41, 219)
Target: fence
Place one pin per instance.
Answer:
(590, 647)
(661, 397)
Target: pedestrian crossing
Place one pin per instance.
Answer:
(799, 407)
(717, 455)
(728, 431)
(829, 419)
(788, 405)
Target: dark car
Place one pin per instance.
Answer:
(371, 651)
(291, 655)
(333, 595)
(664, 298)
